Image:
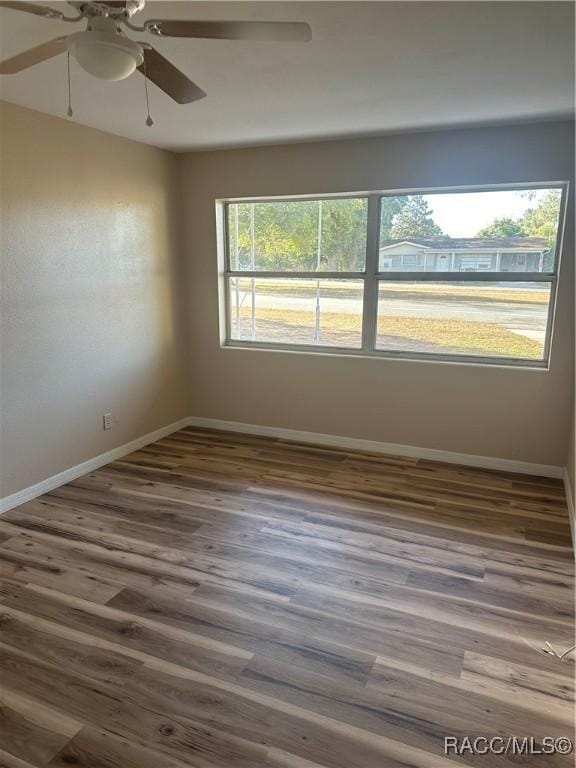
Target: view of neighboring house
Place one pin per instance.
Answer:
(468, 254)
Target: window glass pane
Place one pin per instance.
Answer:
(497, 231)
(472, 318)
(298, 235)
(293, 311)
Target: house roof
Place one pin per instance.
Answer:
(472, 243)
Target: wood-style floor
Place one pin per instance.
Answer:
(225, 601)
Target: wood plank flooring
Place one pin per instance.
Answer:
(224, 601)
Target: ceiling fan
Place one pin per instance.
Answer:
(104, 50)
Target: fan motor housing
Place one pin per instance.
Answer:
(111, 9)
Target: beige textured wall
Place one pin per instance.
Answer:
(89, 311)
(515, 414)
(571, 468)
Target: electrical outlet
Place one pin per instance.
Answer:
(107, 422)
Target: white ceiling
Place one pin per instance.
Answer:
(371, 67)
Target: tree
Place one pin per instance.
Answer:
(285, 235)
(414, 220)
(542, 220)
(539, 221)
(343, 237)
(503, 227)
(389, 208)
(294, 234)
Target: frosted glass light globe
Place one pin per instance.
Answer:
(105, 53)
(106, 62)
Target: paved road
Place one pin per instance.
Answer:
(525, 319)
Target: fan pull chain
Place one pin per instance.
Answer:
(149, 121)
(69, 112)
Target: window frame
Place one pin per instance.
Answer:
(371, 278)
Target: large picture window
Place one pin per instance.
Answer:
(464, 275)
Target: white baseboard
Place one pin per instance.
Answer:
(392, 449)
(50, 483)
(318, 438)
(570, 504)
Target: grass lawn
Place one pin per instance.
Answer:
(462, 334)
(490, 294)
(297, 326)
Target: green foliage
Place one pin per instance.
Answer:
(503, 227)
(343, 244)
(539, 221)
(297, 234)
(542, 221)
(414, 219)
(389, 208)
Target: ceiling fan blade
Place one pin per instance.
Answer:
(39, 10)
(33, 56)
(276, 31)
(169, 78)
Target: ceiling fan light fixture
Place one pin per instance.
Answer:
(107, 55)
(104, 51)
